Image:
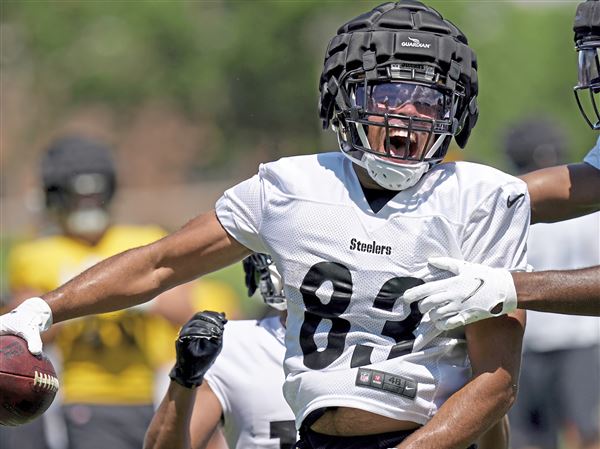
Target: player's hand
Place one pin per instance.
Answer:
(27, 320)
(198, 345)
(475, 293)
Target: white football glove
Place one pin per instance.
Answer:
(30, 318)
(476, 293)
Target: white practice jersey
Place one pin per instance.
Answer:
(349, 339)
(593, 157)
(247, 378)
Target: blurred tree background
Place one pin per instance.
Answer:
(195, 94)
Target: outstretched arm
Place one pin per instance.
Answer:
(170, 426)
(563, 192)
(129, 278)
(140, 274)
(478, 292)
(495, 353)
(571, 292)
(186, 419)
(173, 425)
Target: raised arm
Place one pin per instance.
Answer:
(186, 419)
(170, 426)
(178, 423)
(563, 192)
(495, 352)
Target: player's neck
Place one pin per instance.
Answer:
(376, 196)
(365, 180)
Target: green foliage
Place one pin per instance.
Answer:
(252, 67)
(527, 68)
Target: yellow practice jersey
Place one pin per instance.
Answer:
(109, 358)
(214, 294)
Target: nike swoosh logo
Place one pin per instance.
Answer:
(475, 290)
(510, 202)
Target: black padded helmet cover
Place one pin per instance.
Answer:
(71, 156)
(587, 21)
(403, 32)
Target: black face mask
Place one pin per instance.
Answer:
(588, 86)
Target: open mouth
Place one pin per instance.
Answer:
(401, 145)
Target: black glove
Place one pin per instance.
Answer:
(198, 345)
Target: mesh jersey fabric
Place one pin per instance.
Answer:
(345, 267)
(108, 358)
(247, 378)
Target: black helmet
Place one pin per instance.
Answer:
(587, 43)
(399, 52)
(532, 143)
(77, 166)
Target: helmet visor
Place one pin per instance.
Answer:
(402, 98)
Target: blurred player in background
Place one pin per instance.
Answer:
(350, 232)
(559, 394)
(557, 193)
(107, 362)
(242, 389)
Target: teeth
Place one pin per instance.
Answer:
(403, 135)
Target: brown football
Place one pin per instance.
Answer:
(28, 383)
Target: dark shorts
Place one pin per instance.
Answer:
(107, 426)
(313, 440)
(27, 436)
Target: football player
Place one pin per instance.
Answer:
(242, 389)
(255, 416)
(557, 193)
(351, 231)
(108, 362)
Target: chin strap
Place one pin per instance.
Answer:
(392, 176)
(387, 174)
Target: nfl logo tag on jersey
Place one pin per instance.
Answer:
(364, 377)
(385, 381)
